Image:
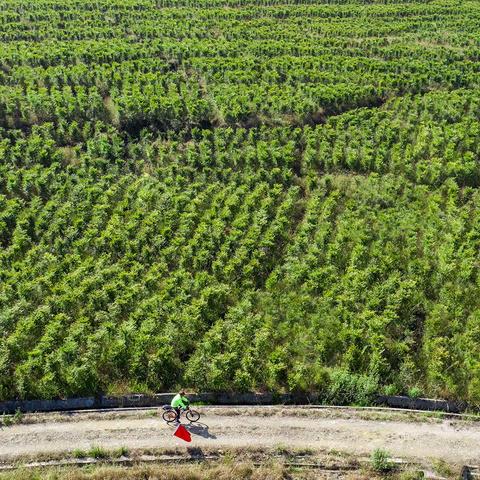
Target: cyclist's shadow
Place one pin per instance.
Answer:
(200, 429)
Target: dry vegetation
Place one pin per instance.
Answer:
(240, 471)
(281, 410)
(229, 470)
(279, 463)
(224, 471)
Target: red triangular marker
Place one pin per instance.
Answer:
(183, 433)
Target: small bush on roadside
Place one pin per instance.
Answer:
(380, 461)
(97, 452)
(120, 452)
(6, 420)
(391, 390)
(9, 420)
(17, 417)
(282, 449)
(414, 392)
(442, 468)
(77, 453)
(351, 389)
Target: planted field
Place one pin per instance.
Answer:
(239, 195)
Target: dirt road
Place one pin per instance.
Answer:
(408, 438)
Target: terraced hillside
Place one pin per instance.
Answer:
(240, 194)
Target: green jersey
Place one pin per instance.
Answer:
(179, 401)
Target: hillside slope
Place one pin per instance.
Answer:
(239, 195)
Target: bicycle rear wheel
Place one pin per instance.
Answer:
(169, 416)
(193, 416)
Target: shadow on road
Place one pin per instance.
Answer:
(200, 429)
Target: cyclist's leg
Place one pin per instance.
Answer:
(177, 411)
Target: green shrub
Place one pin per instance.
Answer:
(78, 453)
(380, 461)
(414, 392)
(9, 420)
(442, 468)
(17, 417)
(120, 452)
(347, 388)
(97, 452)
(391, 389)
(307, 378)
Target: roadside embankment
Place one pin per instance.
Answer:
(214, 398)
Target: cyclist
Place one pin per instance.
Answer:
(180, 402)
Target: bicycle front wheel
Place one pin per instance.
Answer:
(193, 416)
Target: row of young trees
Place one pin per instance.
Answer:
(380, 278)
(227, 261)
(427, 139)
(261, 196)
(169, 69)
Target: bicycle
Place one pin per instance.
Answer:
(170, 415)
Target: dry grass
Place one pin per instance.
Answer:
(280, 453)
(224, 471)
(233, 471)
(347, 413)
(279, 463)
(276, 411)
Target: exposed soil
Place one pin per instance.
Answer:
(452, 440)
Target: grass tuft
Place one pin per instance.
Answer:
(9, 420)
(78, 453)
(120, 452)
(97, 452)
(443, 469)
(380, 461)
(411, 475)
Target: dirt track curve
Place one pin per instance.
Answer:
(405, 436)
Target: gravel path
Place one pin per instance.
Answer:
(451, 440)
